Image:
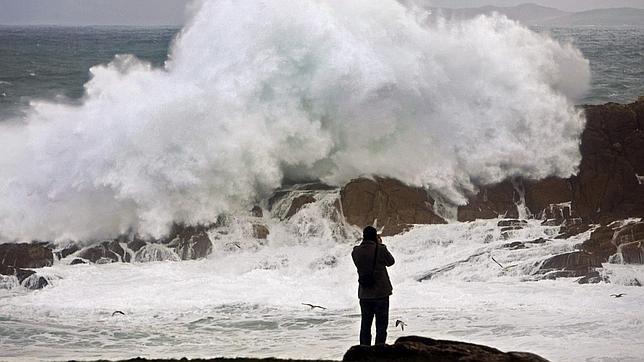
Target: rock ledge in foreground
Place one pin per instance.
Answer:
(417, 349)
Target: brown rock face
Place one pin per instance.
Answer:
(105, 252)
(190, 242)
(617, 244)
(574, 264)
(25, 255)
(491, 202)
(388, 203)
(540, 195)
(416, 349)
(298, 203)
(612, 157)
(260, 231)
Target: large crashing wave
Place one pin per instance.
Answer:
(259, 91)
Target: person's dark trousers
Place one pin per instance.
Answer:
(370, 308)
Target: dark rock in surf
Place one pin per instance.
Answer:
(66, 251)
(416, 349)
(260, 231)
(543, 197)
(105, 252)
(491, 202)
(25, 255)
(617, 243)
(190, 242)
(257, 211)
(573, 264)
(77, 261)
(298, 203)
(136, 244)
(27, 278)
(593, 277)
(389, 203)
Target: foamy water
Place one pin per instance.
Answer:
(247, 302)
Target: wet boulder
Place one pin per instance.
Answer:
(541, 196)
(190, 242)
(26, 255)
(388, 204)
(417, 349)
(105, 252)
(600, 244)
(298, 203)
(572, 264)
(27, 278)
(66, 251)
(260, 231)
(491, 202)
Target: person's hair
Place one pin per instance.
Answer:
(370, 233)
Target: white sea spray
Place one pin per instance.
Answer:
(256, 92)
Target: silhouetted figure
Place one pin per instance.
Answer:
(117, 313)
(372, 258)
(618, 295)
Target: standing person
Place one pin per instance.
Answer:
(372, 258)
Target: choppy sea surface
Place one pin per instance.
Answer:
(54, 62)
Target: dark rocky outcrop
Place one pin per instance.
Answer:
(260, 231)
(190, 242)
(417, 349)
(573, 264)
(105, 252)
(491, 202)
(607, 187)
(617, 243)
(26, 255)
(298, 203)
(387, 203)
(26, 278)
(612, 148)
(541, 197)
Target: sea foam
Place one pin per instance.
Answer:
(258, 92)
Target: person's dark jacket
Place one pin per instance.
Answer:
(363, 259)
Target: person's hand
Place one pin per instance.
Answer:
(379, 240)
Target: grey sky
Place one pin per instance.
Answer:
(171, 12)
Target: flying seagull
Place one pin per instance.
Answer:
(313, 306)
(401, 323)
(117, 312)
(502, 267)
(618, 295)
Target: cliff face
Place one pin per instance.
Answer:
(609, 185)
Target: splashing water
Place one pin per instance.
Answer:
(256, 92)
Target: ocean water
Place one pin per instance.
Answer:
(54, 62)
(112, 130)
(246, 301)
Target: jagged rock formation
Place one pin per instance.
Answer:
(608, 185)
(387, 203)
(417, 349)
(14, 258)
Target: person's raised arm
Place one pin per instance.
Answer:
(389, 259)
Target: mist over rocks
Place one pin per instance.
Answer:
(305, 91)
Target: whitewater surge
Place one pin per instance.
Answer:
(246, 300)
(258, 92)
